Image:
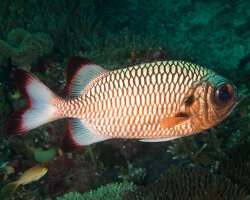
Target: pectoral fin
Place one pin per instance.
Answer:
(168, 122)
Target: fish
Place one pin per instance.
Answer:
(33, 174)
(153, 102)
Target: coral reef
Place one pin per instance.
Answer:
(184, 27)
(191, 183)
(56, 180)
(79, 174)
(114, 34)
(236, 167)
(108, 192)
(23, 47)
(134, 175)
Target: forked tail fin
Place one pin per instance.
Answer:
(40, 105)
(13, 186)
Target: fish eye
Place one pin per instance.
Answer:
(224, 94)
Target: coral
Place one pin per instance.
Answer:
(107, 192)
(71, 196)
(15, 37)
(110, 191)
(236, 166)
(185, 27)
(55, 178)
(210, 147)
(5, 192)
(190, 183)
(78, 174)
(113, 33)
(44, 155)
(115, 48)
(56, 19)
(23, 47)
(135, 175)
(194, 149)
(188, 26)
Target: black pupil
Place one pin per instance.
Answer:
(224, 95)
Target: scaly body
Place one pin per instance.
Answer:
(155, 101)
(32, 174)
(129, 103)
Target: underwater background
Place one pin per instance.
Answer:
(41, 35)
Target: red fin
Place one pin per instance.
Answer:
(14, 123)
(13, 186)
(168, 122)
(22, 79)
(68, 143)
(78, 135)
(39, 108)
(74, 64)
(80, 71)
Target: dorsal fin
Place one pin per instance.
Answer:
(80, 71)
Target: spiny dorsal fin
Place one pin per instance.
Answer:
(80, 72)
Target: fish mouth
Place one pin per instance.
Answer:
(237, 100)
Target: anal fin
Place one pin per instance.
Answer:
(78, 135)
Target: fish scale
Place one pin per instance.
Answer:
(153, 102)
(129, 102)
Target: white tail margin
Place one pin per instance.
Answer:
(39, 108)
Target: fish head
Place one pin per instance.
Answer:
(44, 170)
(40, 172)
(211, 100)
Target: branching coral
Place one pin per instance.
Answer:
(194, 149)
(135, 175)
(107, 192)
(190, 183)
(23, 47)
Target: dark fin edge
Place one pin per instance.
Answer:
(21, 79)
(74, 64)
(14, 123)
(68, 143)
